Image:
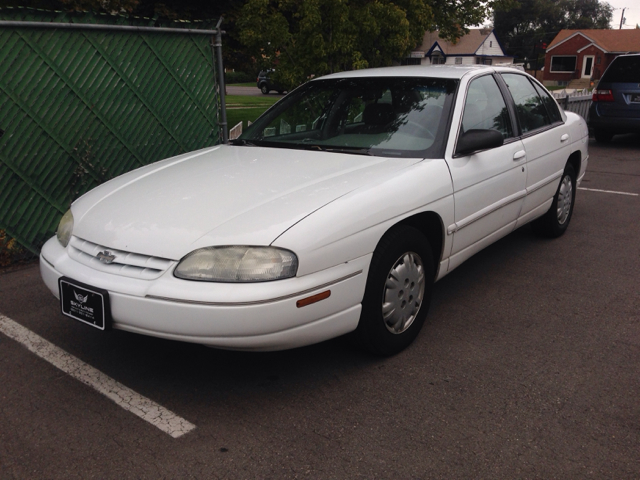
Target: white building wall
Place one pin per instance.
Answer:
(451, 60)
(490, 47)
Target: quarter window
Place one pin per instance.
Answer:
(530, 109)
(485, 108)
(552, 106)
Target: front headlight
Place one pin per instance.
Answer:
(65, 228)
(238, 264)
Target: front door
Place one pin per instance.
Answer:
(489, 186)
(587, 66)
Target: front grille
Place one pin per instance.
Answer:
(127, 264)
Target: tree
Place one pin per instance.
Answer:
(303, 38)
(524, 25)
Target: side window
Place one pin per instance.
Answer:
(552, 107)
(485, 108)
(531, 112)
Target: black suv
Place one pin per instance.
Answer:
(616, 101)
(265, 84)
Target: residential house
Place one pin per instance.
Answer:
(479, 46)
(581, 56)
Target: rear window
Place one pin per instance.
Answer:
(623, 70)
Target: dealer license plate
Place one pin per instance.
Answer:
(85, 303)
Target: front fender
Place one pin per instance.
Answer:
(352, 225)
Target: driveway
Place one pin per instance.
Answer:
(527, 367)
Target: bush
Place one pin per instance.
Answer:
(238, 77)
(11, 252)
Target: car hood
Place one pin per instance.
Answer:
(227, 195)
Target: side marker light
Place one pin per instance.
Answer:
(313, 299)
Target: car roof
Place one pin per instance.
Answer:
(436, 71)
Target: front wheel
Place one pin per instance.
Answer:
(398, 292)
(556, 221)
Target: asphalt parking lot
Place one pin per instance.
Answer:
(528, 367)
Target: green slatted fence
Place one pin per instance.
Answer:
(80, 106)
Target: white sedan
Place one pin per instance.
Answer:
(333, 213)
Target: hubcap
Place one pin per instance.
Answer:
(565, 196)
(403, 293)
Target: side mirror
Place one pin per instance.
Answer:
(476, 140)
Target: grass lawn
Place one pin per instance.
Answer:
(249, 84)
(250, 101)
(242, 108)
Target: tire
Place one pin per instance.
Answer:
(264, 89)
(556, 221)
(403, 254)
(280, 92)
(603, 136)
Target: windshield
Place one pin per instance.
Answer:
(387, 116)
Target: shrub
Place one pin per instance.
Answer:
(11, 252)
(238, 77)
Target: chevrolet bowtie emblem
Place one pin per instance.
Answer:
(106, 257)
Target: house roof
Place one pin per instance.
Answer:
(466, 45)
(608, 40)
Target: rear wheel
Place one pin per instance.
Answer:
(264, 89)
(556, 221)
(398, 292)
(603, 136)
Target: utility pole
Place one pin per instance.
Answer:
(622, 18)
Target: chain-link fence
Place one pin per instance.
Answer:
(88, 97)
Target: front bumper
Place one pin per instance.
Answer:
(258, 316)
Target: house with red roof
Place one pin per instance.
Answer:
(479, 46)
(578, 57)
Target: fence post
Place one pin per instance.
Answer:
(223, 101)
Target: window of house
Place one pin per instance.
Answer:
(458, 60)
(563, 63)
(410, 61)
(490, 43)
(483, 61)
(438, 59)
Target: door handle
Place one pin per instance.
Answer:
(564, 137)
(519, 154)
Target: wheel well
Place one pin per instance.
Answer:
(430, 225)
(575, 160)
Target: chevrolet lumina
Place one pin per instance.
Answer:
(333, 213)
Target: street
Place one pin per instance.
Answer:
(527, 367)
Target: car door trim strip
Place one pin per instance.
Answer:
(544, 182)
(256, 302)
(465, 222)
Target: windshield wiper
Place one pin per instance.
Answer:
(242, 142)
(351, 150)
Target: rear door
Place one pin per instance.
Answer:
(546, 140)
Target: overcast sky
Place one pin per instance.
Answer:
(631, 14)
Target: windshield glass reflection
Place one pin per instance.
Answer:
(374, 116)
